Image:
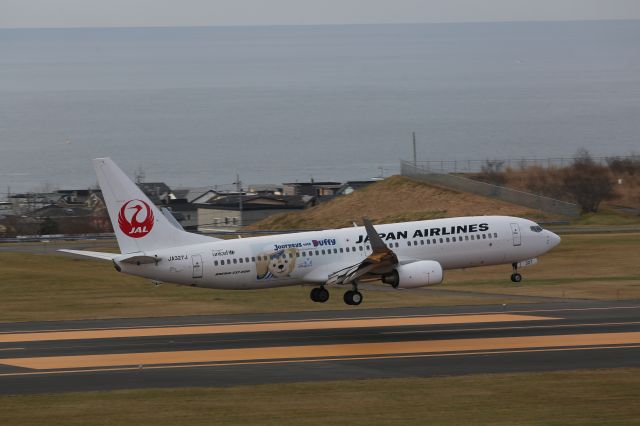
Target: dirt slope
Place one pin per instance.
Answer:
(395, 199)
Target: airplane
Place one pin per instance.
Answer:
(402, 255)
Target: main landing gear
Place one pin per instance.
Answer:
(319, 294)
(515, 277)
(353, 297)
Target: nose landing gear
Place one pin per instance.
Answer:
(515, 277)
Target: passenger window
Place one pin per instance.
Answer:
(341, 250)
(441, 241)
(421, 242)
(489, 235)
(484, 236)
(409, 243)
(453, 239)
(253, 258)
(347, 249)
(318, 252)
(428, 241)
(448, 240)
(335, 251)
(240, 260)
(297, 254)
(215, 262)
(472, 238)
(323, 252)
(360, 248)
(235, 260)
(495, 235)
(466, 238)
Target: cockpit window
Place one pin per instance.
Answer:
(536, 228)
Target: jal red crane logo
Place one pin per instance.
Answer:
(135, 218)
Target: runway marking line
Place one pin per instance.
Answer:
(323, 351)
(308, 360)
(522, 327)
(518, 311)
(265, 327)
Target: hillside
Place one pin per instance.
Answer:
(395, 199)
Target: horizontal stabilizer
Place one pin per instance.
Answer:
(93, 254)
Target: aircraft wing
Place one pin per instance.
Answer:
(382, 260)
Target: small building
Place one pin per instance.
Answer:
(24, 203)
(185, 213)
(264, 189)
(234, 211)
(315, 189)
(158, 192)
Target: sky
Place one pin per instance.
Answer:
(143, 13)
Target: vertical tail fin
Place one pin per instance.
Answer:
(138, 224)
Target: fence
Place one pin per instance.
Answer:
(475, 166)
(459, 183)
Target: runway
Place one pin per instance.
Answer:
(325, 345)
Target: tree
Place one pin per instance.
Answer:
(492, 172)
(48, 226)
(587, 182)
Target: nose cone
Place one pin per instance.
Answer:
(552, 239)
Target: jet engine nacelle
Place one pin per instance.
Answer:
(416, 274)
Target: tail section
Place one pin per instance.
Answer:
(138, 224)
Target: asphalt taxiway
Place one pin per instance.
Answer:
(326, 345)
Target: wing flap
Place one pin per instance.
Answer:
(382, 260)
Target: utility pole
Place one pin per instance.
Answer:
(415, 160)
(239, 190)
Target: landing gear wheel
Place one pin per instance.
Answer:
(323, 295)
(353, 297)
(319, 294)
(515, 277)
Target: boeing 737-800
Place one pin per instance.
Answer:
(403, 255)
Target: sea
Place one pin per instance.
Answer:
(199, 106)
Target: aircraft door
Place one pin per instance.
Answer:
(515, 231)
(196, 259)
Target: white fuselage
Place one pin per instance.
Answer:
(310, 257)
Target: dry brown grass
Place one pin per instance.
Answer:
(396, 199)
(548, 181)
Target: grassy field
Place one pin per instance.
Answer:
(593, 397)
(591, 266)
(37, 287)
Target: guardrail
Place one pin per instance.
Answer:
(514, 196)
